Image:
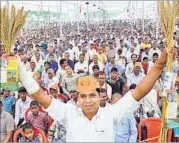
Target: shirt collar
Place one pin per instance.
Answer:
(97, 115)
(27, 100)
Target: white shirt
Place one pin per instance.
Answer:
(99, 128)
(101, 67)
(60, 74)
(130, 69)
(128, 56)
(20, 109)
(152, 51)
(150, 103)
(91, 52)
(81, 66)
(133, 79)
(71, 53)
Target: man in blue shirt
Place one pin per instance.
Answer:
(112, 64)
(125, 130)
(8, 102)
(53, 63)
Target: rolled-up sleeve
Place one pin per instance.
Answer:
(124, 105)
(58, 111)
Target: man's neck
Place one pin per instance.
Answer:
(101, 84)
(90, 116)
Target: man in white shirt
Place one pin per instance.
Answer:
(136, 76)
(22, 104)
(154, 59)
(95, 62)
(130, 52)
(89, 122)
(152, 51)
(130, 66)
(103, 84)
(81, 66)
(91, 51)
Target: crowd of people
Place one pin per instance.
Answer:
(118, 55)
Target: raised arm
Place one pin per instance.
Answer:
(32, 86)
(149, 80)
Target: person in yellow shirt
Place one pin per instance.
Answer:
(102, 55)
(105, 47)
(145, 44)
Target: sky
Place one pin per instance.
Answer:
(35, 5)
(69, 6)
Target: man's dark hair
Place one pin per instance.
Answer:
(133, 55)
(133, 86)
(145, 58)
(22, 89)
(51, 55)
(34, 103)
(0, 102)
(114, 69)
(27, 126)
(95, 67)
(46, 63)
(81, 55)
(62, 61)
(155, 54)
(101, 90)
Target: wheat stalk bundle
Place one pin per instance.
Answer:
(168, 14)
(11, 24)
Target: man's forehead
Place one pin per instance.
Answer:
(88, 92)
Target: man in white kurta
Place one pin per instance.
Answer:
(99, 129)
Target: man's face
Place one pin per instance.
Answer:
(67, 56)
(32, 65)
(111, 58)
(114, 75)
(101, 79)
(89, 101)
(95, 59)
(51, 58)
(54, 93)
(132, 49)
(74, 95)
(103, 99)
(136, 70)
(155, 58)
(111, 45)
(37, 55)
(68, 70)
(50, 75)
(6, 93)
(96, 71)
(34, 109)
(134, 58)
(46, 66)
(82, 58)
(22, 95)
(145, 61)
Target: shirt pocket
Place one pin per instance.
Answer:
(100, 130)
